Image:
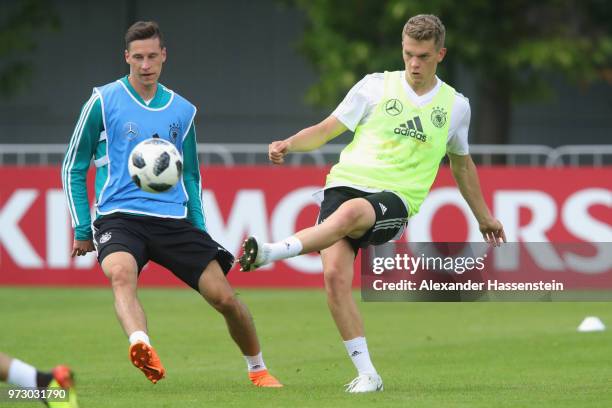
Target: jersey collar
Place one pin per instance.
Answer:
(162, 95)
(422, 99)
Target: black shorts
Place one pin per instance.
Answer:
(391, 214)
(173, 243)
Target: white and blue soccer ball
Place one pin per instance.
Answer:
(155, 165)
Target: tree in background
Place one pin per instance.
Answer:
(511, 48)
(20, 23)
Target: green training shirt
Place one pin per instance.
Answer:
(90, 138)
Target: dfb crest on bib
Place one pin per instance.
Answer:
(438, 117)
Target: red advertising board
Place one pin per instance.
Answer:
(534, 204)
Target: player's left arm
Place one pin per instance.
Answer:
(192, 180)
(464, 171)
(466, 177)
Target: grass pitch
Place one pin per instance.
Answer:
(429, 354)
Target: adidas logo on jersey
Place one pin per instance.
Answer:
(382, 208)
(412, 128)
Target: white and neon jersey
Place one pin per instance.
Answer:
(111, 123)
(398, 142)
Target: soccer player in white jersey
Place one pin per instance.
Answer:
(133, 226)
(404, 123)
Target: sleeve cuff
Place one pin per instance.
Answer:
(344, 121)
(83, 234)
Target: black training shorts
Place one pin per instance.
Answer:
(391, 214)
(173, 243)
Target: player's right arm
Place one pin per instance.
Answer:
(356, 107)
(74, 172)
(307, 139)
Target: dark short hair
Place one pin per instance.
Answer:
(143, 30)
(425, 27)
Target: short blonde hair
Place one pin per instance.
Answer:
(424, 27)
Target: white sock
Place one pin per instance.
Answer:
(287, 248)
(255, 363)
(357, 349)
(21, 374)
(139, 336)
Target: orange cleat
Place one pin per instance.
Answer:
(264, 379)
(145, 358)
(64, 377)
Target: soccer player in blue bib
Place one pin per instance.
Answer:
(133, 226)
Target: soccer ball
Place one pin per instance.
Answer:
(155, 165)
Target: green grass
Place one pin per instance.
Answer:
(429, 354)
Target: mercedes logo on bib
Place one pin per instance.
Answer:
(393, 107)
(130, 130)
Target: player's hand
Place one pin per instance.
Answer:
(493, 231)
(277, 151)
(81, 248)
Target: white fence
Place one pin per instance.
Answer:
(232, 154)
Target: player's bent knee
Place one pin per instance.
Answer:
(349, 214)
(225, 304)
(343, 222)
(120, 275)
(352, 215)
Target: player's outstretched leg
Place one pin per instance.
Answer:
(352, 219)
(217, 291)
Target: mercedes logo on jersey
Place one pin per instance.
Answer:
(130, 130)
(393, 107)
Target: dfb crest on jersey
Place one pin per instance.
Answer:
(438, 117)
(175, 131)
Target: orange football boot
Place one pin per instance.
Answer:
(64, 376)
(264, 379)
(145, 358)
